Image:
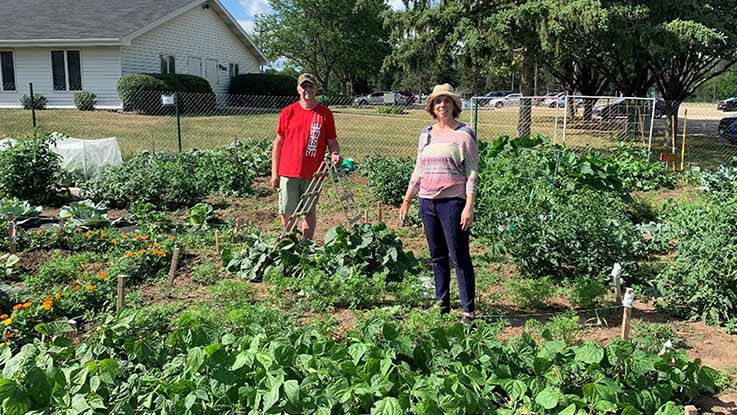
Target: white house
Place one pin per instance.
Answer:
(66, 46)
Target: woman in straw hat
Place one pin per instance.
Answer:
(445, 180)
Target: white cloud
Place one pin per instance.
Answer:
(396, 4)
(247, 25)
(254, 7)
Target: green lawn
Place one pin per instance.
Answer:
(361, 131)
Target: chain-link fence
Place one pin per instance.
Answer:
(389, 125)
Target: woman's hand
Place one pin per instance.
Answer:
(466, 218)
(403, 210)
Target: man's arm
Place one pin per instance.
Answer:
(334, 151)
(275, 155)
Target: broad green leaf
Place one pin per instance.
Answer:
(190, 400)
(548, 398)
(589, 353)
(271, 397)
(79, 403)
(570, 410)
(17, 404)
(387, 406)
(7, 388)
(291, 389)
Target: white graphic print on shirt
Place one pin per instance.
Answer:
(311, 150)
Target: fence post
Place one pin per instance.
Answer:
(565, 117)
(12, 233)
(33, 105)
(179, 125)
(475, 115)
(217, 241)
(652, 123)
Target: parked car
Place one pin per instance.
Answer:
(729, 104)
(377, 98)
(483, 100)
(728, 128)
(552, 100)
(560, 102)
(508, 100)
(541, 100)
(620, 106)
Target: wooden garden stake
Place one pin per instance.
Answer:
(217, 241)
(683, 142)
(174, 263)
(381, 212)
(11, 232)
(365, 216)
(690, 410)
(121, 294)
(629, 297)
(238, 224)
(616, 277)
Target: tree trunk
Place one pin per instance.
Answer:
(588, 108)
(524, 119)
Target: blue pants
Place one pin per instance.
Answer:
(441, 219)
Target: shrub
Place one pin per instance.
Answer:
(263, 84)
(142, 92)
(388, 178)
(169, 180)
(586, 292)
(701, 281)
(30, 171)
(637, 172)
(39, 102)
(386, 109)
(85, 101)
(254, 155)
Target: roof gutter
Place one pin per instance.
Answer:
(29, 43)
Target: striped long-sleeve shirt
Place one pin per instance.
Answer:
(447, 164)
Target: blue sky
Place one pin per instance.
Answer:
(245, 10)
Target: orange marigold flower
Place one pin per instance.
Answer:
(113, 241)
(47, 305)
(129, 253)
(58, 295)
(173, 238)
(141, 251)
(76, 287)
(39, 232)
(9, 335)
(103, 276)
(17, 306)
(3, 316)
(144, 237)
(103, 234)
(27, 305)
(125, 235)
(90, 287)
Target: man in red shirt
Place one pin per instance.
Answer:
(306, 128)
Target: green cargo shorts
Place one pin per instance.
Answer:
(291, 190)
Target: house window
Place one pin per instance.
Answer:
(168, 64)
(233, 70)
(66, 70)
(7, 71)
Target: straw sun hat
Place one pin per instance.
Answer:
(447, 90)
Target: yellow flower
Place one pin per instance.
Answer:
(8, 321)
(173, 238)
(125, 235)
(141, 251)
(90, 287)
(3, 344)
(39, 232)
(103, 234)
(58, 295)
(88, 234)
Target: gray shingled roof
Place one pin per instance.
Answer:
(80, 19)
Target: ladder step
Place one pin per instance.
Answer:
(346, 196)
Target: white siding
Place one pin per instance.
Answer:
(199, 33)
(100, 71)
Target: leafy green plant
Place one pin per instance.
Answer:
(145, 214)
(30, 171)
(254, 155)
(563, 327)
(9, 265)
(637, 172)
(264, 256)
(205, 274)
(722, 180)
(200, 215)
(653, 337)
(586, 292)
(21, 210)
(529, 292)
(39, 102)
(57, 270)
(388, 178)
(85, 214)
(170, 180)
(85, 100)
(388, 109)
(700, 282)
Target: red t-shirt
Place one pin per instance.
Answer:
(305, 134)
